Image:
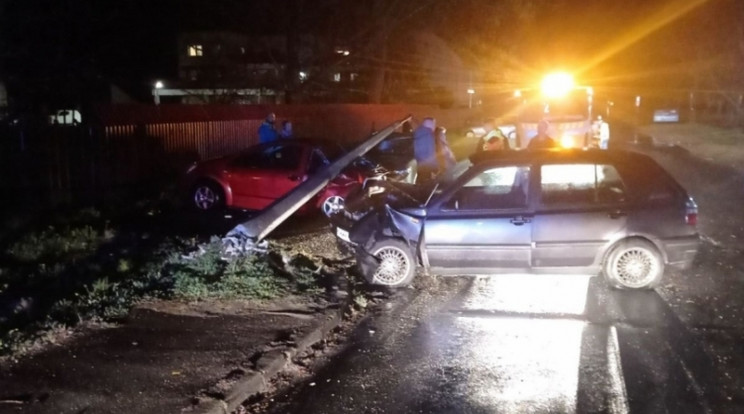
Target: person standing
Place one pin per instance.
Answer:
(445, 157)
(497, 142)
(267, 132)
(491, 133)
(286, 131)
(604, 134)
(542, 140)
(424, 150)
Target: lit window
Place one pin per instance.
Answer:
(303, 76)
(196, 50)
(337, 77)
(65, 117)
(242, 51)
(353, 76)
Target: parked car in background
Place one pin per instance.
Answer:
(548, 211)
(476, 133)
(666, 115)
(254, 178)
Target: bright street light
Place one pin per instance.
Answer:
(156, 93)
(557, 85)
(471, 92)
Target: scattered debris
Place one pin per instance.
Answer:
(238, 242)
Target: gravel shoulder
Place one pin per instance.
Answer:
(723, 146)
(709, 162)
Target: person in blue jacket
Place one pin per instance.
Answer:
(267, 132)
(425, 150)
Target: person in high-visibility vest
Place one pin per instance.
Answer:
(604, 134)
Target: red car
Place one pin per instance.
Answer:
(254, 178)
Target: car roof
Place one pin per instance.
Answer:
(560, 155)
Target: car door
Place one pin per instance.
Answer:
(581, 208)
(262, 175)
(482, 226)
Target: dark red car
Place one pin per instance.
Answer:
(254, 178)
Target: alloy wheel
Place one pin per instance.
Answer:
(394, 266)
(333, 204)
(635, 267)
(205, 198)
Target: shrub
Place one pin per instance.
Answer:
(209, 275)
(56, 243)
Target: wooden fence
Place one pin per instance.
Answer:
(141, 148)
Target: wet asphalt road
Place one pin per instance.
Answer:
(517, 344)
(540, 344)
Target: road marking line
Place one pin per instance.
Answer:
(618, 398)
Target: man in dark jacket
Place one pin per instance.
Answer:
(542, 140)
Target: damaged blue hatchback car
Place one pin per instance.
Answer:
(613, 213)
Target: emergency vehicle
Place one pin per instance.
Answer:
(568, 109)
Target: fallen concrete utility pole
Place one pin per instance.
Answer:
(259, 226)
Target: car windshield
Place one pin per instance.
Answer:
(448, 178)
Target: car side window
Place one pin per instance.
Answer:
(495, 188)
(272, 157)
(399, 146)
(580, 184)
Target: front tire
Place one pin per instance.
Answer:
(634, 264)
(207, 197)
(390, 262)
(333, 204)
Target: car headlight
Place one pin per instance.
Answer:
(401, 174)
(375, 189)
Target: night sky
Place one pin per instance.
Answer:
(52, 47)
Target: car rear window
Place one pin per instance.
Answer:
(650, 182)
(580, 184)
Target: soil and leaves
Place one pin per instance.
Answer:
(92, 266)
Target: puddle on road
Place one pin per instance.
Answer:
(529, 294)
(514, 364)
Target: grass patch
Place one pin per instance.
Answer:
(209, 275)
(83, 268)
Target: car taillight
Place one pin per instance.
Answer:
(691, 212)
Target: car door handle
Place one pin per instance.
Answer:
(294, 178)
(519, 220)
(617, 214)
